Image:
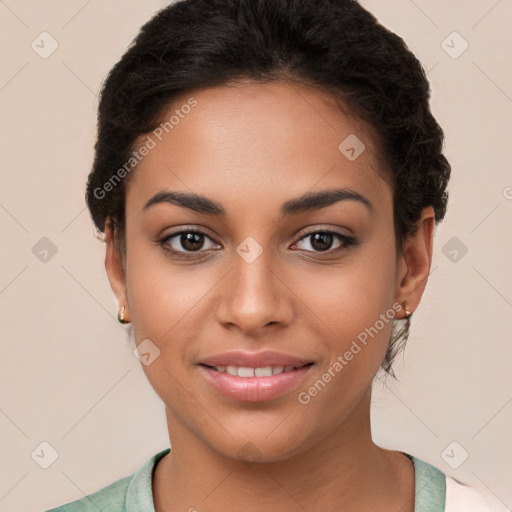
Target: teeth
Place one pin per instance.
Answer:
(232, 370)
(266, 371)
(247, 371)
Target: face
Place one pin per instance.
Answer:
(258, 266)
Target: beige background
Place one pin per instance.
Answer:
(67, 376)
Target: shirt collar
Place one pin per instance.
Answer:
(139, 493)
(430, 486)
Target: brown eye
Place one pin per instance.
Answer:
(322, 241)
(191, 241)
(188, 241)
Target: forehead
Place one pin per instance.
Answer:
(251, 140)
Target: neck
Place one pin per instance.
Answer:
(345, 468)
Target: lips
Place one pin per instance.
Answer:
(256, 376)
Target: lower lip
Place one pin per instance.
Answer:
(254, 389)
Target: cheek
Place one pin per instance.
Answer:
(352, 297)
(359, 317)
(354, 304)
(162, 295)
(164, 301)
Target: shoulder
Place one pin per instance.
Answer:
(131, 493)
(437, 491)
(110, 497)
(463, 498)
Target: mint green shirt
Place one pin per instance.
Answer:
(134, 493)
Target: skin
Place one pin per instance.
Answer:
(252, 147)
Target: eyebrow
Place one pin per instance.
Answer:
(305, 203)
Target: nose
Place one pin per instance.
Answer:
(255, 295)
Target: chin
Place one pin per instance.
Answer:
(253, 448)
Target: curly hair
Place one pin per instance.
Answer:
(334, 45)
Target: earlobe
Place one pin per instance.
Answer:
(417, 256)
(122, 316)
(115, 269)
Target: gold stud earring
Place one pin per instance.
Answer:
(408, 314)
(123, 317)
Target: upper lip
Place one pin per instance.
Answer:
(254, 359)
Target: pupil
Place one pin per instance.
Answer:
(192, 241)
(321, 241)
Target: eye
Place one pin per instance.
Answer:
(190, 241)
(185, 241)
(321, 241)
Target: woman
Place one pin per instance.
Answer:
(268, 176)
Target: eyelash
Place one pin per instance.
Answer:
(347, 241)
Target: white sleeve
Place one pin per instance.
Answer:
(463, 498)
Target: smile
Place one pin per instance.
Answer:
(254, 384)
(247, 371)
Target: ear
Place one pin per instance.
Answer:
(115, 268)
(413, 265)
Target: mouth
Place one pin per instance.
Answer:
(254, 384)
(260, 371)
